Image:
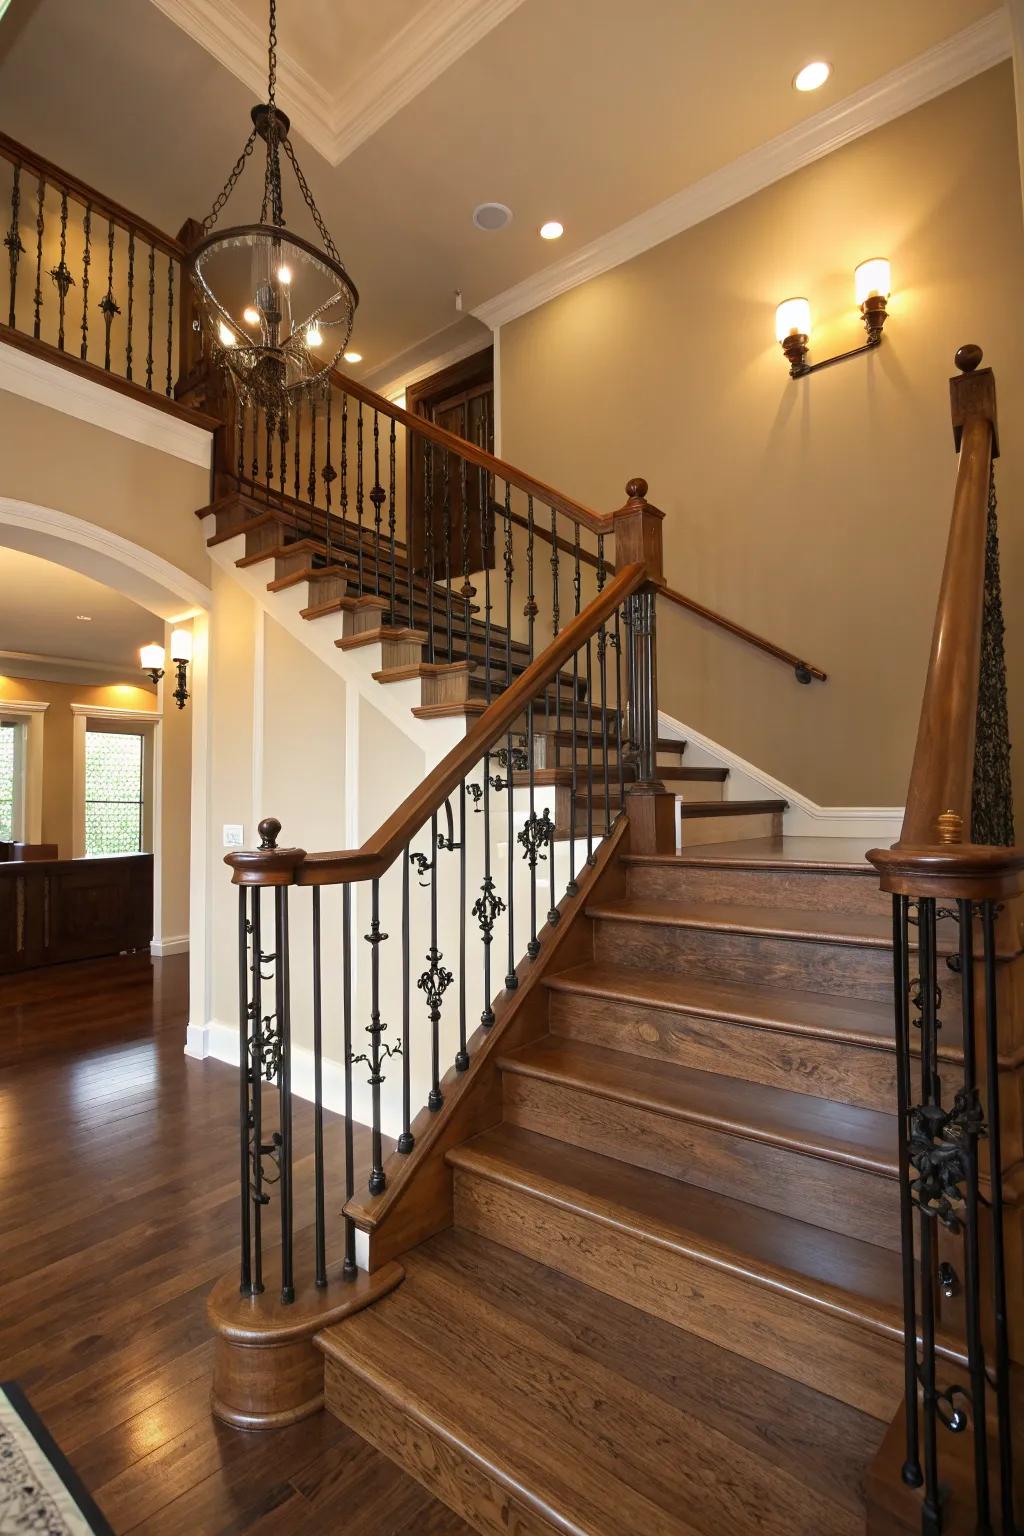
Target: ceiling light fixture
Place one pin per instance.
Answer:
(812, 77)
(353, 357)
(492, 216)
(297, 293)
(84, 618)
(552, 230)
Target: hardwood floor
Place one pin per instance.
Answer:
(118, 1211)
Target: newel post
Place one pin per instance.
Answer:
(638, 540)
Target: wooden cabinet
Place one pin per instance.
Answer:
(74, 909)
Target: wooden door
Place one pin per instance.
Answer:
(444, 492)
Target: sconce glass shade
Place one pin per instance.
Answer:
(151, 658)
(873, 279)
(181, 645)
(792, 318)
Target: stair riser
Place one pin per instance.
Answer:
(698, 830)
(829, 1069)
(805, 1343)
(807, 891)
(453, 1478)
(836, 1196)
(326, 589)
(846, 970)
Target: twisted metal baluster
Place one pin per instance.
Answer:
(428, 540)
(169, 383)
(377, 498)
(41, 194)
(344, 466)
(268, 462)
(447, 534)
(359, 495)
(61, 273)
(602, 662)
(282, 452)
(131, 305)
(240, 435)
(149, 318)
(86, 263)
(108, 304)
(467, 588)
(375, 938)
(619, 711)
(284, 1084)
(462, 1057)
(319, 1213)
(350, 1268)
(435, 981)
(572, 888)
(392, 517)
(255, 445)
(311, 476)
(329, 475)
(511, 979)
(12, 240)
(406, 1140)
(245, 1078)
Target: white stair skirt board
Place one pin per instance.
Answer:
(804, 818)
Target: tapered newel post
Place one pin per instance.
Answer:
(649, 805)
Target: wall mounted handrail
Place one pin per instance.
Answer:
(803, 669)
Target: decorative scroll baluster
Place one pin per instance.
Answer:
(86, 263)
(911, 1472)
(462, 1058)
(377, 497)
(329, 475)
(572, 888)
(240, 435)
(972, 1236)
(620, 716)
(245, 1080)
(282, 453)
(284, 1084)
(406, 1140)
(319, 1207)
(602, 664)
(435, 980)
(131, 306)
(555, 618)
(169, 380)
(447, 537)
(344, 462)
(108, 304)
(428, 541)
(511, 979)
(467, 587)
(149, 317)
(61, 273)
(40, 198)
(297, 452)
(12, 240)
(378, 1051)
(350, 1269)
(254, 1067)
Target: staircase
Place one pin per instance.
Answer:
(670, 1300)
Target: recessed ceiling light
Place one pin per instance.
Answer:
(492, 216)
(812, 76)
(85, 618)
(552, 230)
(353, 357)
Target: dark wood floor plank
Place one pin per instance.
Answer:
(118, 1211)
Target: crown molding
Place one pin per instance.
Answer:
(939, 69)
(335, 125)
(396, 375)
(33, 665)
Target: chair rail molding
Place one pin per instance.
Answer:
(337, 123)
(948, 64)
(50, 384)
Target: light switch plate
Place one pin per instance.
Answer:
(234, 836)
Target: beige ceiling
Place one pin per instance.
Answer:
(583, 110)
(40, 608)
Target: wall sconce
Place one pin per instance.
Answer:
(872, 285)
(151, 660)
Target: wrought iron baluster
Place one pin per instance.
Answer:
(359, 496)
(377, 1050)
(406, 1140)
(129, 338)
(602, 664)
(447, 537)
(377, 496)
(428, 540)
(15, 248)
(244, 1087)
(61, 273)
(268, 461)
(329, 475)
(1000, 1327)
(620, 716)
(554, 621)
(149, 318)
(393, 518)
(572, 888)
(589, 684)
(297, 452)
(511, 979)
(911, 1471)
(40, 199)
(929, 1097)
(436, 979)
(350, 1267)
(169, 381)
(255, 466)
(972, 1316)
(282, 453)
(259, 1198)
(311, 472)
(284, 1084)
(318, 1101)
(108, 304)
(86, 263)
(462, 1058)
(240, 435)
(467, 587)
(344, 466)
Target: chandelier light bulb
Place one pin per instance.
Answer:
(314, 336)
(284, 275)
(251, 315)
(226, 334)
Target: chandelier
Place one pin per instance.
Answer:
(277, 309)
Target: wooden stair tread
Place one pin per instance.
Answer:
(858, 1021)
(845, 854)
(828, 1269)
(569, 1402)
(841, 1133)
(696, 808)
(778, 922)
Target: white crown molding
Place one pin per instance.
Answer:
(394, 377)
(135, 572)
(64, 669)
(113, 712)
(939, 69)
(48, 384)
(22, 707)
(335, 125)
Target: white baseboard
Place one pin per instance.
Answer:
(197, 1041)
(177, 945)
(803, 818)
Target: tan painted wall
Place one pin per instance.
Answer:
(54, 460)
(814, 512)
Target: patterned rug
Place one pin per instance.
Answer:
(39, 1492)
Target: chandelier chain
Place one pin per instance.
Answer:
(324, 233)
(229, 185)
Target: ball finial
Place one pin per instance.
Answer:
(968, 357)
(636, 489)
(268, 830)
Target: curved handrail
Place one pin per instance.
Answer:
(376, 856)
(106, 207)
(803, 669)
(939, 795)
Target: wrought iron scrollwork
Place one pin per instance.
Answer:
(537, 834)
(992, 790)
(938, 1151)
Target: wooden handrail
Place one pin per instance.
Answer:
(106, 207)
(803, 669)
(597, 522)
(378, 853)
(939, 797)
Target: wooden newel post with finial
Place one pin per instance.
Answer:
(268, 864)
(638, 537)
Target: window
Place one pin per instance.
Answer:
(9, 776)
(114, 779)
